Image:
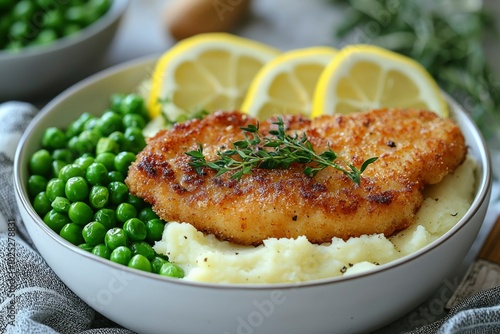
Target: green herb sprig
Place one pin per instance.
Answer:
(279, 151)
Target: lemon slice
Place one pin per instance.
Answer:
(363, 77)
(208, 71)
(286, 84)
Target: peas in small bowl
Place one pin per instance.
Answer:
(44, 43)
(33, 23)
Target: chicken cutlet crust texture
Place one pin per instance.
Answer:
(414, 148)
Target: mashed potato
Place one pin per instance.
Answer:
(206, 259)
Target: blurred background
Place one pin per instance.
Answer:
(456, 40)
(454, 33)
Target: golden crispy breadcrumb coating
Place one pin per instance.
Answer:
(414, 148)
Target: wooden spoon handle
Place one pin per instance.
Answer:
(491, 247)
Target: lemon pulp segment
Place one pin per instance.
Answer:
(363, 77)
(208, 71)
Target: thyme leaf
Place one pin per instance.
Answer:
(277, 151)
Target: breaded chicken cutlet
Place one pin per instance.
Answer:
(414, 149)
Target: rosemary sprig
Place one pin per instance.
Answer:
(279, 151)
(446, 37)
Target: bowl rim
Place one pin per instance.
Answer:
(114, 13)
(483, 190)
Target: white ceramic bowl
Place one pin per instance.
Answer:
(36, 72)
(149, 303)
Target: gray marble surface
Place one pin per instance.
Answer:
(287, 24)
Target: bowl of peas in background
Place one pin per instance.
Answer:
(46, 44)
(68, 178)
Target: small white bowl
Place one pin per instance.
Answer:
(35, 72)
(149, 303)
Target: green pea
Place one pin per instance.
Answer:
(143, 248)
(73, 145)
(115, 101)
(72, 233)
(53, 19)
(121, 255)
(137, 202)
(41, 204)
(71, 29)
(63, 154)
(119, 138)
(107, 217)
(157, 263)
(140, 262)
(135, 229)
(56, 220)
(57, 165)
(96, 173)
(53, 138)
(90, 124)
(41, 163)
(76, 127)
(107, 145)
(99, 196)
(135, 139)
(125, 211)
(86, 247)
(21, 31)
(76, 189)
(87, 141)
(80, 213)
(14, 46)
(44, 37)
(115, 176)
(132, 104)
(61, 204)
(77, 14)
(70, 171)
(115, 237)
(147, 214)
(24, 9)
(55, 188)
(107, 159)
(123, 160)
(109, 123)
(171, 270)
(118, 192)
(102, 250)
(84, 162)
(100, 6)
(134, 120)
(94, 233)
(155, 229)
(36, 184)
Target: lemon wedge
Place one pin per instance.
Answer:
(286, 84)
(209, 72)
(364, 77)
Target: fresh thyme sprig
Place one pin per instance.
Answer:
(277, 152)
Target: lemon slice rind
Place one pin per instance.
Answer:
(163, 83)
